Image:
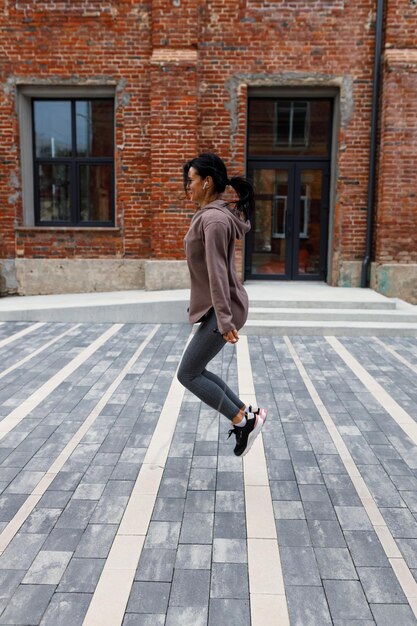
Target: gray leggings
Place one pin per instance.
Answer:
(192, 372)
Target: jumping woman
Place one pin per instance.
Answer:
(218, 301)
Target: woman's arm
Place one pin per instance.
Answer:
(216, 241)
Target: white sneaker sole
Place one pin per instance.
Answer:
(260, 420)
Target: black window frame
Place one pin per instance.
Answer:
(74, 162)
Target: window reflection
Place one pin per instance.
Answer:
(94, 124)
(289, 127)
(52, 124)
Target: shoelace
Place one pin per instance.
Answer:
(235, 431)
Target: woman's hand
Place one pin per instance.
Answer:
(231, 336)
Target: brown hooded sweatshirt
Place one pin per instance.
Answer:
(209, 246)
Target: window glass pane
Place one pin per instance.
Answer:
(96, 193)
(289, 127)
(52, 124)
(94, 123)
(54, 192)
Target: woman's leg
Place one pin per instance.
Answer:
(192, 372)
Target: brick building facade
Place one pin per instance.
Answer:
(102, 102)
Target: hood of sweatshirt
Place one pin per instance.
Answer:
(241, 226)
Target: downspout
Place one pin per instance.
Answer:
(372, 157)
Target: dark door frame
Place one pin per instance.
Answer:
(294, 166)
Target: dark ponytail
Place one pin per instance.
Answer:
(209, 164)
(244, 190)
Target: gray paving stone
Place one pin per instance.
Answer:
(366, 549)
(41, 521)
(319, 511)
(63, 539)
(401, 523)
(109, 510)
(156, 564)
(81, 575)
(230, 481)
(353, 518)
(229, 463)
(307, 606)
(288, 510)
(389, 614)
(314, 493)
(195, 556)
(139, 619)
(66, 609)
(230, 550)
(77, 514)
(89, 491)
(98, 474)
(281, 470)
(197, 527)
(163, 535)
(408, 548)
(229, 580)
(96, 541)
(124, 471)
(149, 597)
(168, 510)
(229, 611)
(54, 500)
(353, 622)
(173, 486)
(200, 501)
(27, 605)
(22, 550)
(186, 616)
(207, 461)
(299, 566)
(230, 502)
(9, 506)
(9, 582)
(229, 526)
(326, 534)
(202, 479)
(284, 490)
(190, 588)
(335, 563)
(292, 532)
(346, 600)
(381, 585)
(47, 568)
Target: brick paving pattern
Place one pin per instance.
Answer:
(193, 568)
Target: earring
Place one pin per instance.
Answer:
(205, 185)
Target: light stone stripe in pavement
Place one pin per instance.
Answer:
(111, 595)
(18, 414)
(268, 604)
(20, 333)
(23, 513)
(403, 419)
(38, 351)
(398, 356)
(401, 570)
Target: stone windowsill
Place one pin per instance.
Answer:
(67, 229)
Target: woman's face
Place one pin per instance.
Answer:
(195, 186)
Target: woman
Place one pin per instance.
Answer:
(218, 301)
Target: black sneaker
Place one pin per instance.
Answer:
(246, 435)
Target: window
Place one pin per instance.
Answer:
(292, 123)
(73, 161)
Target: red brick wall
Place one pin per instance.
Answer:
(172, 104)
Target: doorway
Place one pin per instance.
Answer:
(289, 165)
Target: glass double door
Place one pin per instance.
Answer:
(288, 238)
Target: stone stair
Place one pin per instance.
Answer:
(276, 308)
(333, 317)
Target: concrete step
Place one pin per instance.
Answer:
(275, 302)
(331, 315)
(342, 328)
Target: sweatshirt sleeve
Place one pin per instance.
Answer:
(217, 239)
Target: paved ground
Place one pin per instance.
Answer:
(121, 501)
